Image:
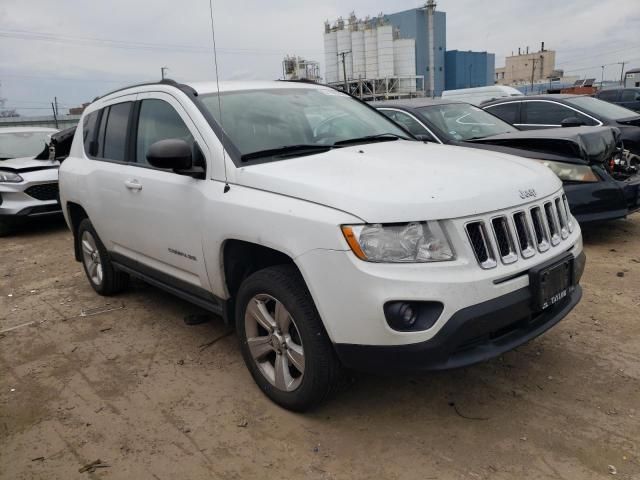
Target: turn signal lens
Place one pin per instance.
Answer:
(353, 242)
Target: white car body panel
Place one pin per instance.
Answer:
(372, 181)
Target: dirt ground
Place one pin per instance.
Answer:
(153, 398)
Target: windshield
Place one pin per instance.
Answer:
(601, 108)
(461, 121)
(272, 119)
(22, 144)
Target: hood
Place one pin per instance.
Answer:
(404, 181)
(27, 163)
(589, 144)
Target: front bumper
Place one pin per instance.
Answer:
(472, 335)
(602, 201)
(37, 195)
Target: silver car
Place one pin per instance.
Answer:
(28, 176)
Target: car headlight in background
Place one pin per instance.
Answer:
(413, 242)
(9, 177)
(571, 173)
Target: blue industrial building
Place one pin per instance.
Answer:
(413, 24)
(469, 69)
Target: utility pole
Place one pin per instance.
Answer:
(55, 116)
(602, 78)
(162, 70)
(622, 73)
(344, 68)
(533, 71)
(55, 101)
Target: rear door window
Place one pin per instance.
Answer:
(550, 113)
(630, 96)
(509, 112)
(608, 95)
(116, 122)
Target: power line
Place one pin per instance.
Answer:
(128, 45)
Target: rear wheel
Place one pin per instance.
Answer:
(283, 341)
(102, 275)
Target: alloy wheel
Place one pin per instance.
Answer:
(274, 342)
(91, 258)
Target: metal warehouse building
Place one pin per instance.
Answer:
(469, 69)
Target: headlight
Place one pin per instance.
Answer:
(10, 177)
(571, 173)
(399, 243)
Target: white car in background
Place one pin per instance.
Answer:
(28, 176)
(477, 95)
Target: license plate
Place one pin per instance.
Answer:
(552, 283)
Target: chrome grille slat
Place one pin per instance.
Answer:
(520, 234)
(562, 217)
(504, 239)
(540, 228)
(552, 223)
(524, 234)
(482, 248)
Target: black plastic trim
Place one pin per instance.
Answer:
(472, 335)
(179, 288)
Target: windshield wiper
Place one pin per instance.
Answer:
(287, 150)
(382, 137)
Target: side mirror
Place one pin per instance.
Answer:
(572, 122)
(424, 137)
(172, 153)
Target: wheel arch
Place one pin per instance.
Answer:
(240, 259)
(76, 213)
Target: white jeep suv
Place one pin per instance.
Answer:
(327, 234)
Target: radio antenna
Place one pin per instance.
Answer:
(215, 62)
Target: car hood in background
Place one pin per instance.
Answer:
(590, 144)
(27, 163)
(403, 181)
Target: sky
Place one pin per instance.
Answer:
(77, 49)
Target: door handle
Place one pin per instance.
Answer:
(133, 185)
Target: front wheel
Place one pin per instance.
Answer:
(283, 341)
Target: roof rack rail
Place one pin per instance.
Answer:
(165, 81)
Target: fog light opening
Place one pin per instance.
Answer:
(407, 316)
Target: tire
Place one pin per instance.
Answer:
(305, 333)
(102, 275)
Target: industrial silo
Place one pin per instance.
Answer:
(404, 63)
(385, 50)
(371, 52)
(357, 51)
(330, 55)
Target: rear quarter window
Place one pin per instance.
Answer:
(89, 130)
